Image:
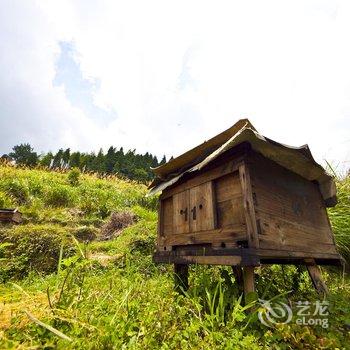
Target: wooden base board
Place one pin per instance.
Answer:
(242, 257)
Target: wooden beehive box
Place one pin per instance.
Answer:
(241, 199)
(10, 215)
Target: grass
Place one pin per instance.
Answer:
(62, 293)
(340, 217)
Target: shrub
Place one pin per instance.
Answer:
(85, 233)
(35, 185)
(18, 190)
(149, 202)
(59, 196)
(33, 247)
(5, 202)
(74, 176)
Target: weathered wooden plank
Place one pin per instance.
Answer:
(202, 208)
(301, 247)
(248, 281)
(316, 276)
(249, 256)
(231, 213)
(281, 229)
(212, 260)
(270, 176)
(227, 187)
(181, 212)
(276, 253)
(167, 216)
(306, 209)
(290, 211)
(204, 176)
(252, 231)
(10, 215)
(211, 236)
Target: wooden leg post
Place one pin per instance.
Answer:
(316, 276)
(237, 272)
(248, 281)
(181, 277)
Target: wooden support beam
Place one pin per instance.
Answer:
(181, 277)
(248, 281)
(237, 272)
(316, 277)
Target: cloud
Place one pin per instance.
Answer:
(162, 76)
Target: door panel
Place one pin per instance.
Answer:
(168, 216)
(202, 209)
(181, 212)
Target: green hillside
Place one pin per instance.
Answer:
(78, 274)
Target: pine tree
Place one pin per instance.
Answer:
(66, 157)
(110, 160)
(57, 160)
(74, 160)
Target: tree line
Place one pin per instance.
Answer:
(128, 164)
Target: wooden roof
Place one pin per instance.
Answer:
(296, 159)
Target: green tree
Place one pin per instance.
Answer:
(74, 160)
(57, 160)
(66, 156)
(98, 162)
(110, 160)
(46, 159)
(163, 161)
(24, 154)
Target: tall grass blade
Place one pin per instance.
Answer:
(48, 327)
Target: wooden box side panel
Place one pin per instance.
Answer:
(229, 202)
(290, 211)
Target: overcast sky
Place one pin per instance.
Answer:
(163, 76)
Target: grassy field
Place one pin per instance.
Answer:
(76, 276)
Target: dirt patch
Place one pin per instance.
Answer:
(104, 259)
(116, 223)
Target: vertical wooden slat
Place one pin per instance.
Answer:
(248, 203)
(181, 212)
(160, 224)
(202, 209)
(160, 218)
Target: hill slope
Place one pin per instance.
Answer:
(61, 292)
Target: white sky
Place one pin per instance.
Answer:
(169, 74)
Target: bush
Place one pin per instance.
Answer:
(59, 196)
(18, 190)
(33, 247)
(85, 233)
(74, 176)
(35, 185)
(5, 202)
